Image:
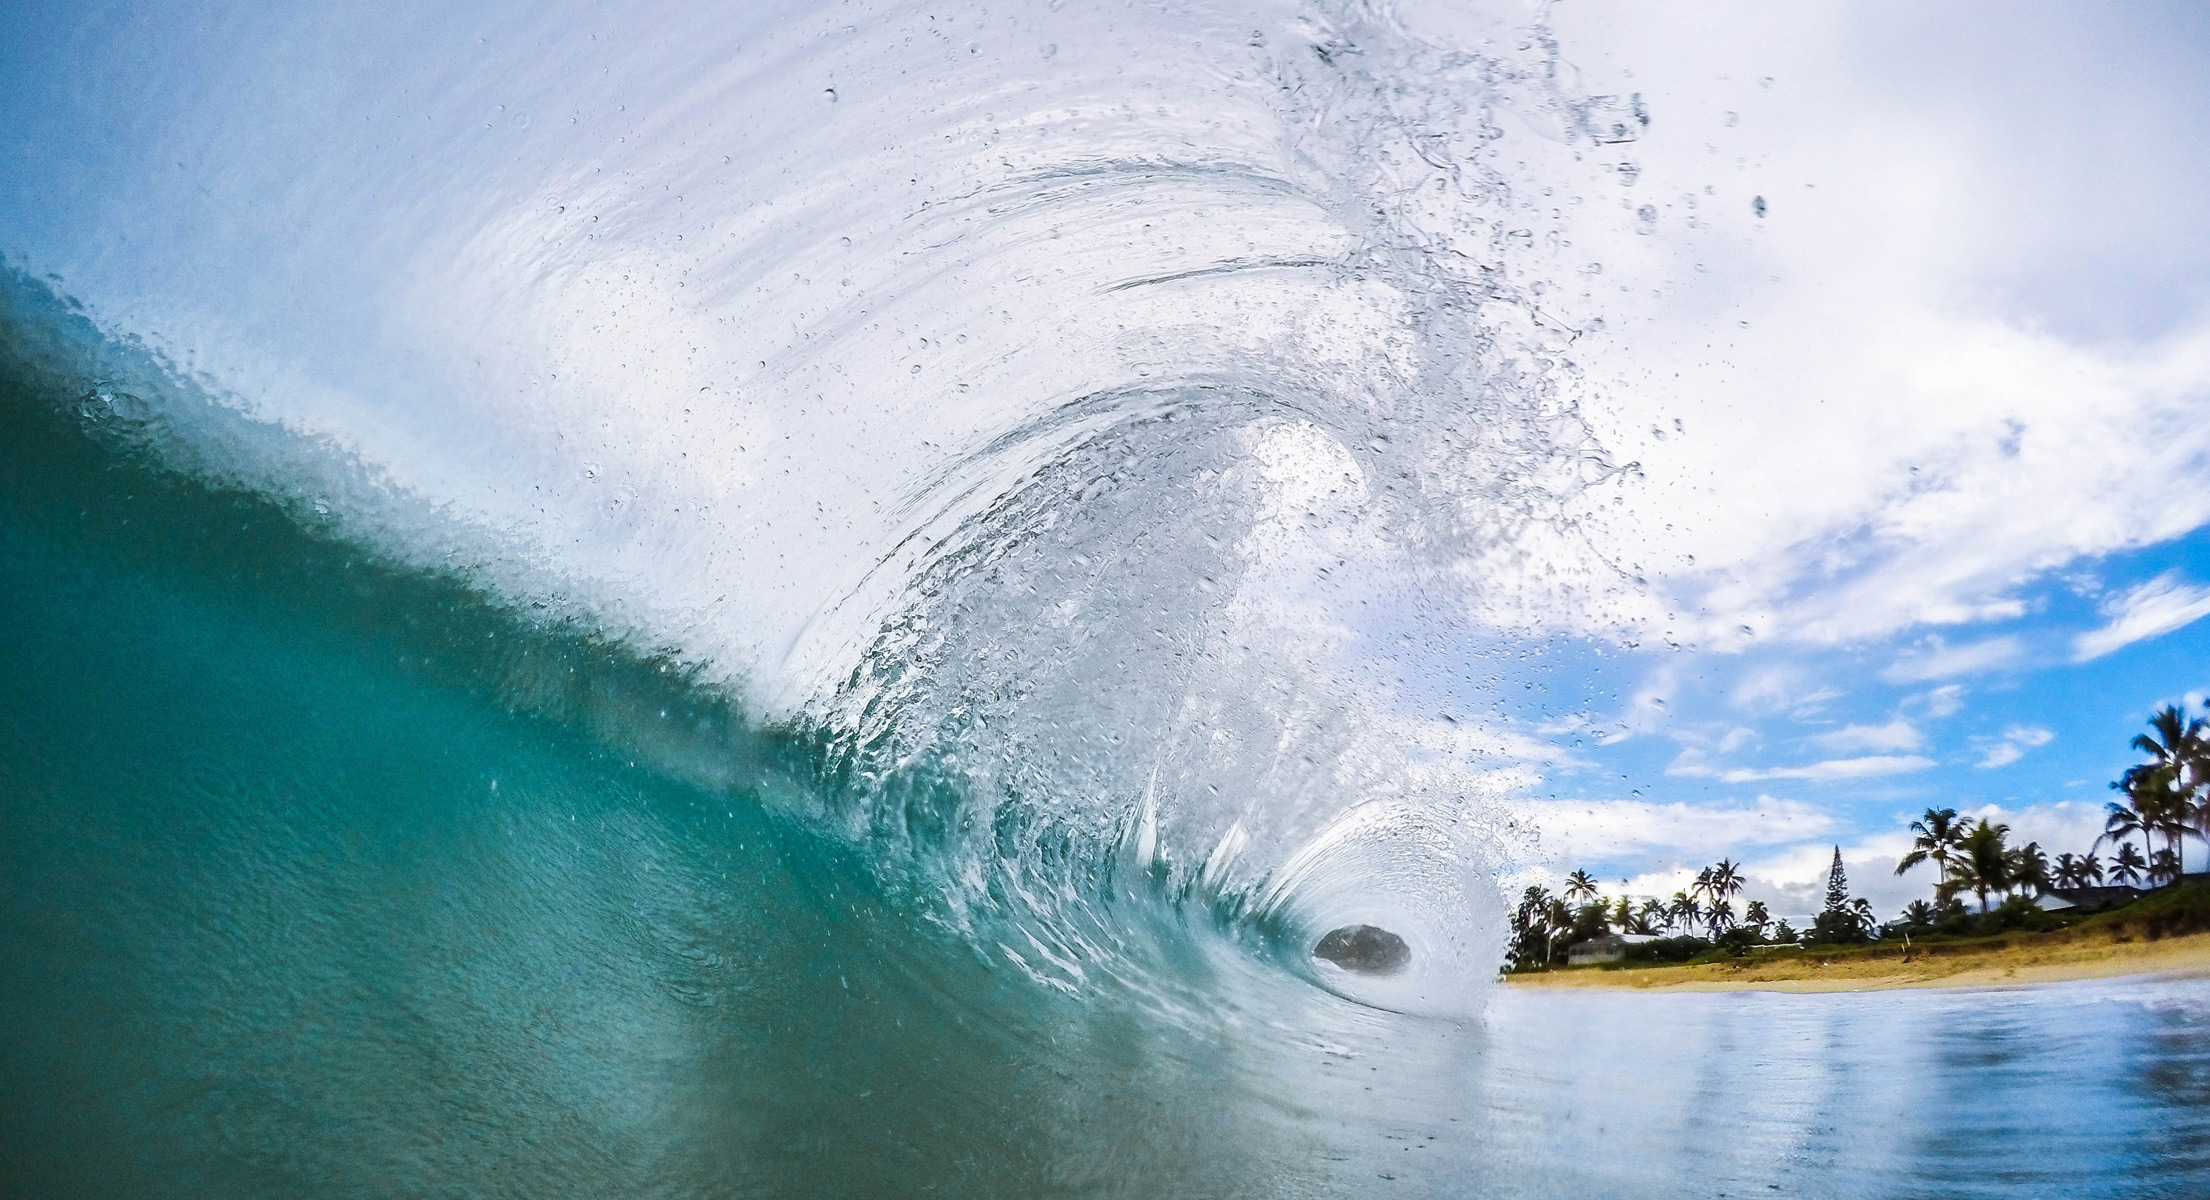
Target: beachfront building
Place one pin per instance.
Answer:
(2088, 899)
(1604, 948)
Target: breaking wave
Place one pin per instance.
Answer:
(945, 483)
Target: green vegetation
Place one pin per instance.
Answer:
(2015, 925)
(1699, 918)
(2166, 799)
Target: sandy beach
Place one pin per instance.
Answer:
(2021, 960)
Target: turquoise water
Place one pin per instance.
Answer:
(788, 600)
(323, 876)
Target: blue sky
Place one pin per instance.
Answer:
(1784, 751)
(1933, 522)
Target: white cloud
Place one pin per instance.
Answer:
(1468, 748)
(1691, 763)
(1613, 829)
(1698, 743)
(1944, 701)
(2152, 609)
(1791, 846)
(1649, 709)
(1562, 724)
(2011, 746)
(1765, 687)
(2067, 826)
(1836, 768)
(1781, 687)
(1793, 883)
(1876, 433)
(1897, 734)
(1937, 659)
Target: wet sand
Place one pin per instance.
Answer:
(2025, 960)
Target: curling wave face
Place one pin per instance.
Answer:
(930, 486)
(327, 872)
(1032, 410)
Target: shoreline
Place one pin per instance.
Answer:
(2015, 961)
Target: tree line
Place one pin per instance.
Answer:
(1698, 919)
(2165, 799)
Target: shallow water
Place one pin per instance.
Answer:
(2091, 1089)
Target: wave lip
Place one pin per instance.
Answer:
(1021, 449)
(906, 430)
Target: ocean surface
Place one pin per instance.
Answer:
(323, 876)
(649, 601)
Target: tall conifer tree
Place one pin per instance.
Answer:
(1837, 885)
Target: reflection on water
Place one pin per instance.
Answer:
(2092, 1089)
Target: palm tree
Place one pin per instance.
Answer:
(2142, 787)
(2158, 804)
(2198, 774)
(2177, 742)
(1721, 883)
(1919, 914)
(1651, 915)
(1939, 835)
(2177, 753)
(1756, 917)
(2127, 865)
(2078, 871)
(1580, 886)
(1530, 941)
(2027, 867)
(1982, 867)
(2178, 815)
(1867, 924)
(1684, 912)
(2163, 865)
(1557, 921)
(1726, 879)
(2174, 814)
